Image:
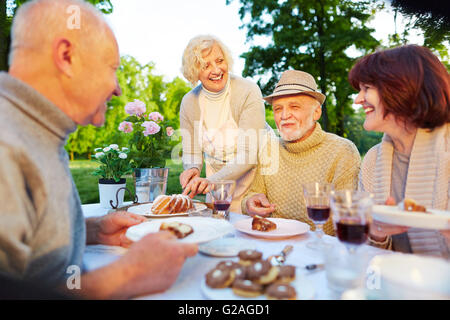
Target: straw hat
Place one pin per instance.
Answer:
(296, 82)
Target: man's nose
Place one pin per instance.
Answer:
(285, 114)
(117, 90)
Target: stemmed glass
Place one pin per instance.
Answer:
(352, 216)
(221, 194)
(317, 199)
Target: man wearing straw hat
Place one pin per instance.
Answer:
(303, 153)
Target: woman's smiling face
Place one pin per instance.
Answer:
(214, 74)
(369, 98)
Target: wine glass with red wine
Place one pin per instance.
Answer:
(351, 215)
(317, 200)
(221, 194)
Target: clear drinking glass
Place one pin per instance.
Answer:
(221, 194)
(317, 199)
(351, 211)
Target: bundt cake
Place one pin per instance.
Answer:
(176, 203)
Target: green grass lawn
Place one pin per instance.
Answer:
(87, 184)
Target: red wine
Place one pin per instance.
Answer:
(352, 232)
(318, 213)
(221, 205)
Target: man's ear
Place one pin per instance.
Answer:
(63, 56)
(317, 113)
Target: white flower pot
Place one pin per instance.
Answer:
(107, 190)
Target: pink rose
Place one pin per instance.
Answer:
(136, 107)
(126, 126)
(150, 127)
(169, 131)
(156, 116)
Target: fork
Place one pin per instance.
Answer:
(279, 259)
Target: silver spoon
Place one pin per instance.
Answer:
(279, 259)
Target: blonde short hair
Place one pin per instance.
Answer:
(192, 60)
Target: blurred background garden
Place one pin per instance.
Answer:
(324, 38)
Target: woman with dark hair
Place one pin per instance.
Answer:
(405, 93)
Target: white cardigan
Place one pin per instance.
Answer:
(427, 182)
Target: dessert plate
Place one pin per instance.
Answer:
(435, 219)
(205, 229)
(304, 288)
(225, 247)
(144, 210)
(285, 228)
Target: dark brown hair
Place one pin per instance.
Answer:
(412, 83)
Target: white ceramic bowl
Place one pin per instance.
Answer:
(407, 276)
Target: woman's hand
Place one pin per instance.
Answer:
(110, 229)
(379, 230)
(195, 186)
(259, 205)
(187, 175)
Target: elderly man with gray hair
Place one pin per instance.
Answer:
(62, 73)
(304, 153)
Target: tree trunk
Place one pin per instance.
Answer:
(4, 37)
(322, 71)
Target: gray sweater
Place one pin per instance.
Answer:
(42, 229)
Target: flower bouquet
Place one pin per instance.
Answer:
(114, 164)
(150, 138)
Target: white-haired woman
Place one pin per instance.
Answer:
(222, 108)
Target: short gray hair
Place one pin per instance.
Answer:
(192, 60)
(38, 22)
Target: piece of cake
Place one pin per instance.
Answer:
(180, 230)
(262, 224)
(411, 205)
(176, 203)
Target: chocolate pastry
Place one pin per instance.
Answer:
(219, 278)
(286, 274)
(262, 272)
(227, 264)
(246, 288)
(279, 291)
(247, 257)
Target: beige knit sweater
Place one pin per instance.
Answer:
(427, 182)
(323, 157)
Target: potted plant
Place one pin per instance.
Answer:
(114, 164)
(150, 145)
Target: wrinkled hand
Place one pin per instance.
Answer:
(380, 230)
(153, 263)
(111, 228)
(259, 205)
(195, 186)
(187, 175)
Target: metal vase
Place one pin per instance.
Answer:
(150, 183)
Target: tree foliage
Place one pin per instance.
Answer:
(313, 36)
(137, 82)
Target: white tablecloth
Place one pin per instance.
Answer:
(187, 286)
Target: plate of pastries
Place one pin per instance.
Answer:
(164, 206)
(252, 277)
(411, 213)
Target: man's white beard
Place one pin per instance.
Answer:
(292, 136)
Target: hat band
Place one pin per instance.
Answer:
(294, 84)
